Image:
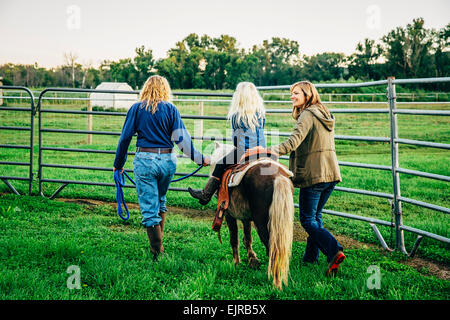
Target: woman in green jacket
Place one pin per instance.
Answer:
(316, 171)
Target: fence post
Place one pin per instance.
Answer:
(39, 175)
(89, 122)
(399, 239)
(1, 91)
(201, 114)
(33, 113)
(198, 128)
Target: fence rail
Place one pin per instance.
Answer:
(393, 140)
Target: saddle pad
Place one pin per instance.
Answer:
(236, 177)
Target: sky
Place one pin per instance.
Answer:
(94, 30)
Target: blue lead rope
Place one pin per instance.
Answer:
(119, 180)
(188, 175)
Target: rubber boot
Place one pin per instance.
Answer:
(163, 220)
(154, 236)
(205, 195)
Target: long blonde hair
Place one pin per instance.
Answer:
(312, 97)
(155, 90)
(247, 104)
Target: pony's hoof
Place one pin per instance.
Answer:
(254, 263)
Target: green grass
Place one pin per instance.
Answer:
(425, 128)
(41, 238)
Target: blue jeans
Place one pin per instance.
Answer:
(152, 174)
(311, 202)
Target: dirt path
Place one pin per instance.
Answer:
(433, 268)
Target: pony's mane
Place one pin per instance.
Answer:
(220, 151)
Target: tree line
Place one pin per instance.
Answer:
(205, 62)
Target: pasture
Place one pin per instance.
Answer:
(42, 237)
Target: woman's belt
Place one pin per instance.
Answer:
(154, 150)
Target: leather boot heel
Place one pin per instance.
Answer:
(205, 195)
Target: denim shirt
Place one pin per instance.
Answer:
(245, 138)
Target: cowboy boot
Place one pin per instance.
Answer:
(154, 236)
(205, 195)
(163, 220)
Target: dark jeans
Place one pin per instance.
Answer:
(311, 202)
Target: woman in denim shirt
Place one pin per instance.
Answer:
(158, 125)
(247, 117)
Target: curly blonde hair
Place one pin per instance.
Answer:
(312, 97)
(155, 90)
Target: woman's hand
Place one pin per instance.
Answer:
(206, 161)
(121, 170)
(273, 150)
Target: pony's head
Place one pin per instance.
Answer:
(220, 151)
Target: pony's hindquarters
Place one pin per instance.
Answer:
(281, 224)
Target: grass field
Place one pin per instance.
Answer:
(112, 253)
(42, 238)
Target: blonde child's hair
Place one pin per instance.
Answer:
(247, 105)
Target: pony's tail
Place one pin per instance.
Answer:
(281, 224)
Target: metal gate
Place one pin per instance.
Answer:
(28, 128)
(395, 197)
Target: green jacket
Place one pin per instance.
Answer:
(313, 155)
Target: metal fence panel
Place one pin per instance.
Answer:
(30, 128)
(393, 140)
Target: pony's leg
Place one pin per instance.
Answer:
(263, 231)
(251, 255)
(259, 191)
(234, 239)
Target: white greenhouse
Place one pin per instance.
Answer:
(113, 100)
